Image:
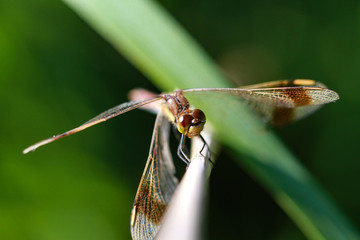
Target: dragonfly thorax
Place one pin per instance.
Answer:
(177, 103)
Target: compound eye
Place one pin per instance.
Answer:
(184, 123)
(199, 117)
(185, 120)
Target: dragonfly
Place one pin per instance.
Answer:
(278, 102)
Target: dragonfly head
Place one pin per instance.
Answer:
(191, 122)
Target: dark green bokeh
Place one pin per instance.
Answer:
(56, 73)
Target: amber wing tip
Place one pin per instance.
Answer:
(39, 144)
(32, 148)
(27, 150)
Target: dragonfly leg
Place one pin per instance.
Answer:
(209, 152)
(180, 150)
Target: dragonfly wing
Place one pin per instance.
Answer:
(278, 116)
(286, 83)
(120, 109)
(157, 184)
(113, 112)
(281, 104)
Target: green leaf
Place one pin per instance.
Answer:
(154, 42)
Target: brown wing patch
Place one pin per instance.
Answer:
(282, 116)
(148, 205)
(300, 96)
(156, 186)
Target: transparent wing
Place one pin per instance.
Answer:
(113, 112)
(279, 102)
(157, 184)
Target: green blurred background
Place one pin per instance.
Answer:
(56, 73)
